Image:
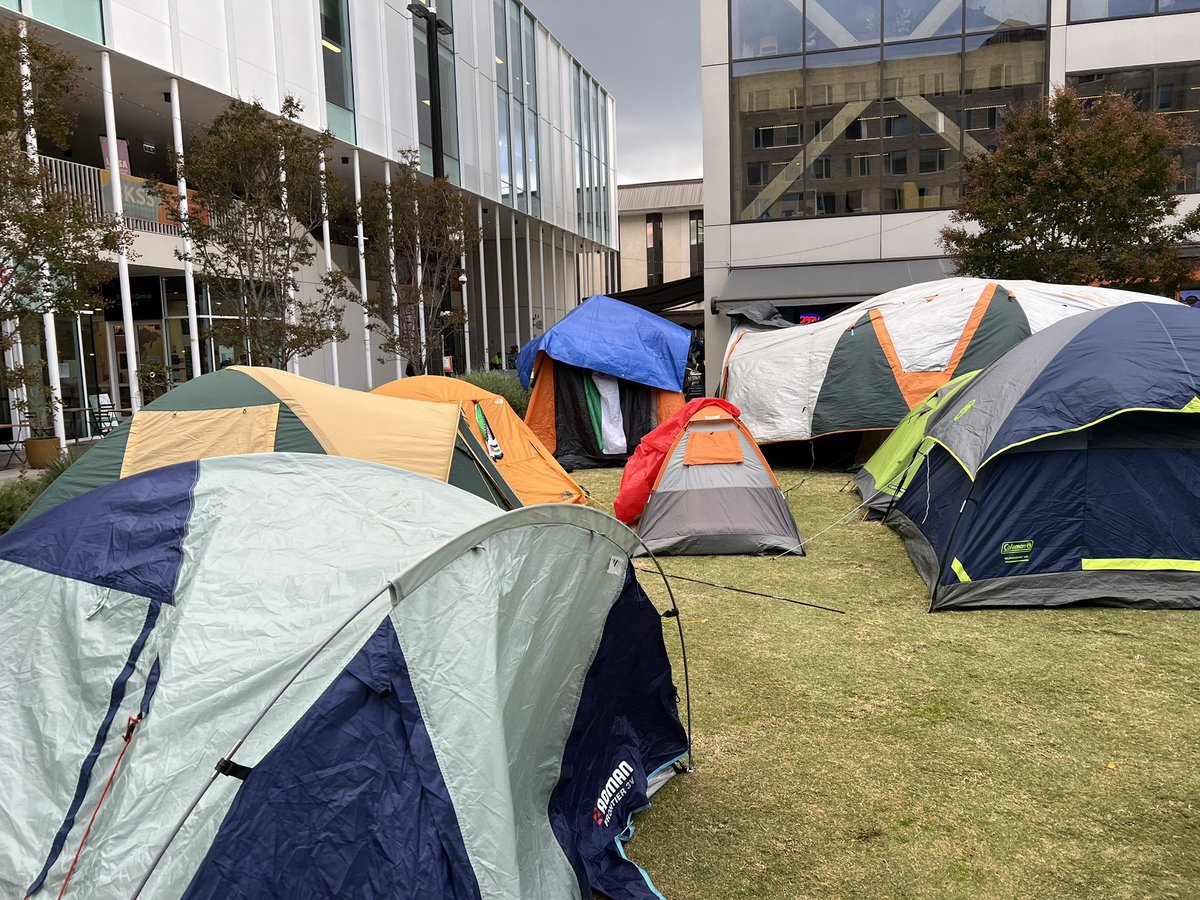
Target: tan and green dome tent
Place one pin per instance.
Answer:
(252, 409)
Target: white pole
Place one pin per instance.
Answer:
(293, 364)
(516, 286)
(60, 429)
(554, 271)
(327, 246)
(189, 281)
(542, 273)
(362, 269)
(462, 265)
(387, 182)
(114, 183)
(529, 280)
(500, 291)
(483, 289)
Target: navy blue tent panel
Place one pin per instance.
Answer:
(615, 338)
(628, 708)
(351, 803)
(148, 513)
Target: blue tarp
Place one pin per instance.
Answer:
(612, 337)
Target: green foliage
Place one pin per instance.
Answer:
(17, 494)
(251, 230)
(506, 384)
(428, 225)
(1077, 194)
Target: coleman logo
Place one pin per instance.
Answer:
(1016, 551)
(615, 789)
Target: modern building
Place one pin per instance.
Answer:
(528, 134)
(834, 129)
(662, 232)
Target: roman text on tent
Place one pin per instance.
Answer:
(1067, 471)
(292, 675)
(866, 367)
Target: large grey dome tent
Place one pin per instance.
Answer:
(425, 697)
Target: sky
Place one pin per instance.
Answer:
(647, 54)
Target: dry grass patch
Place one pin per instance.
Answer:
(893, 753)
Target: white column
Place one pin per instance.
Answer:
(189, 281)
(516, 286)
(293, 364)
(362, 269)
(60, 428)
(566, 276)
(542, 273)
(500, 288)
(554, 271)
(462, 282)
(528, 280)
(483, 288)
(114, 176)
(327, 246)
(387, 183)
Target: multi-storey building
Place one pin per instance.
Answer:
(662, 232)
(528, 134)
(834, 129)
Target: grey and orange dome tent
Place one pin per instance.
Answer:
(255, 409)
(701, 486)
(528, 467)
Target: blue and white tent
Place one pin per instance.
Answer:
(205, 634)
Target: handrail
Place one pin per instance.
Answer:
(85, 183)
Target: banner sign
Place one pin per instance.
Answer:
(122, 154)
(139, 203)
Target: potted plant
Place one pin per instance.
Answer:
(37, 406)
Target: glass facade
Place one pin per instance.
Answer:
(82, 17)
(592, 188)
(1090, 10)
(335, 58)
(865, 107)
(519, 143)
(1170, 91)
(448, 91)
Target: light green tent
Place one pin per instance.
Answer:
(883, 478)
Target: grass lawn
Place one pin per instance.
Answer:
(893, 753)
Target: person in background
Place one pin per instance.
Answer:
(496, 361)
(512, 356)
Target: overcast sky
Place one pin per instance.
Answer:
(647, 53)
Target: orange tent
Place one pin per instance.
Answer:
(528, 467)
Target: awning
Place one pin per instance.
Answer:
(827, 284)
(670, 298)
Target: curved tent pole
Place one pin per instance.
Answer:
(227, 761)
(937, 582)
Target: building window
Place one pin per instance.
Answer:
(696, 241)
(1175, 90)
(335, 56)
(1090, 10)
(896, 73)
(449, 96)
(654, 249)
(82, 17)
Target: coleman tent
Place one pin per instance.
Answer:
(880, 480)
(527, 466)
(710, 492)
(289, 675)
(1067, 471)
(246, 409)
(866, 367)
(603, 378)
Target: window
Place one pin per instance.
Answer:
(654, 249)
(895, 126)
(1089, 10)
(81, 17)
(448, 97)
(696, 241)
(895, 163)
(932, 160)
(757, 174)
(825, 204)
(822, 167)
(776, 136)
(795, 98)
(758, 101)
(335, 57)
(863, 165)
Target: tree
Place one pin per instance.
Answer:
(250, 229)
(55, 249)
(428, 228)
(1077, 192)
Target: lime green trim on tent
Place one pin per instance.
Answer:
(957, 568)
(1191, 407)
(1132, 564)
